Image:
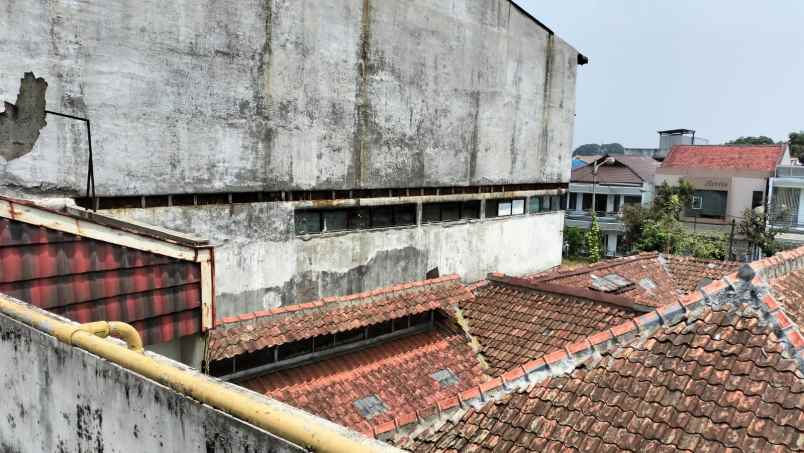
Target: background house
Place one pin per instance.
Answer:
(627, 180)
(786, 203)
(728, 179)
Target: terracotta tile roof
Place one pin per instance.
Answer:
(658, 279)
(255, 331)
(516, 321)
(625, 170)
(789, 290)
(721, 157)
(86, 280)
(689, 273)
(398, 372)
(715, 373)
(653, 285)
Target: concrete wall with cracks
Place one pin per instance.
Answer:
(204, 96)
(61, 399)
(260, 262)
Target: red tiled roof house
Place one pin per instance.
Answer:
(728, 179)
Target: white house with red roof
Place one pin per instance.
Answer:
(728, 179)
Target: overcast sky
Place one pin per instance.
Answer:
(725, 68)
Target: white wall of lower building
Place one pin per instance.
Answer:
(260, 263)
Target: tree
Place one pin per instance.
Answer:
(593, 239)
(592, 149)
(758, 140)
(659, 228)
(574, 238)
(797, 144)
(753, 227)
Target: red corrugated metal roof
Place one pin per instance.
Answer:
(90, 280)
(721, 157)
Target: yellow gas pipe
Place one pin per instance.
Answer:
(288, 423)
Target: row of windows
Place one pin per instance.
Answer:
(313, 221)
(601, 201)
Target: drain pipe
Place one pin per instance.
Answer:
(289, 423)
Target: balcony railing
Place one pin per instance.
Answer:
(790, 171)
(602, 216)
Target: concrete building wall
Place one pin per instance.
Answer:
(260, 262)
(57, 398)
(212, 96)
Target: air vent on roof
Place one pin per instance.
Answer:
(371, 406)
(445, 377)
(612, 283)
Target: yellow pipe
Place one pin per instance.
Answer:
(115, 329)
(289, 423)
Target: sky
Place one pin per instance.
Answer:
(725, 68)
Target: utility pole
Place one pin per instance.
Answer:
(731, 240)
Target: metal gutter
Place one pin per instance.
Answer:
(279, 419)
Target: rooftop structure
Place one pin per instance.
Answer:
(326, 148)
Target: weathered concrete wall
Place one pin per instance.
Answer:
(202, 96)
(261, 263)
(56, 398)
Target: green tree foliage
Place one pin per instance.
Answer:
(592, 149)
(759, 140)
(797, 144)
(658, 228)
(575, 239)
(753, 227)
(593, 239)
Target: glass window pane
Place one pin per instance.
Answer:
(335, 220)
(450, 211)
(518, 206)
(431, 212)
(382, 216)
(504, 208)
(545, 203)
(308, 222)
(471, 210)
(359, 219)
(534, 204)
(491, 208)
(556, 204)
(405, 214)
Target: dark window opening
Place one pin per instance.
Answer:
(451, 211)
(382, 328)
(632, 200)
(600, 203)
(573, 201)
(350, 336)
(290, 350)
(708, 204)
(586, 204)
(757, 197)
(314, 221)
(432, 273)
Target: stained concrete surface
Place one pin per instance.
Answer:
(260, 263)
(201, 96)
(57, 398)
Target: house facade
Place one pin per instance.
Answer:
(627, 180)
(786, 204)
(728, 179)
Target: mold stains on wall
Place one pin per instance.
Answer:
(362, 104)
(20, 123)
(89, 428)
